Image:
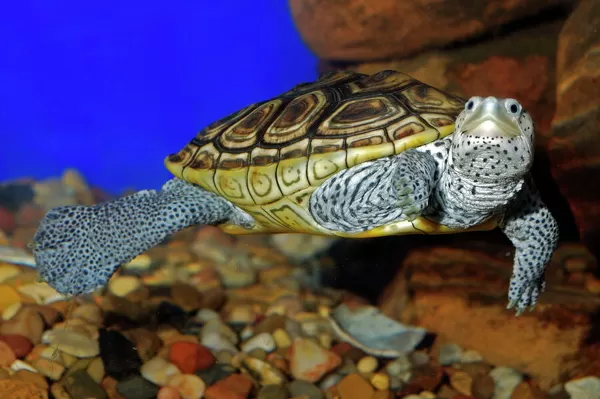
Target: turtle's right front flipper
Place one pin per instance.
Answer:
(375, 193)
(78, 248)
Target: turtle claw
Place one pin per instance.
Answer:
(511, 304)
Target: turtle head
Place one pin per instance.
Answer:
(493, 139)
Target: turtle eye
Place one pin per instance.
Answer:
(513, 107)
(469, 105)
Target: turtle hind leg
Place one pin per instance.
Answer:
(77, 248)
(375, 193)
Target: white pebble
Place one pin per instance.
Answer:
(471, 356)
(506, 380)
(264, 341)
(583, 388)
(217, 343)
(205, 315)
(450, 354)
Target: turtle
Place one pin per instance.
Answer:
(349, 155)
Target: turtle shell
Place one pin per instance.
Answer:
(269, 157)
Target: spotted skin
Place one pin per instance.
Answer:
(78, 248)
(464, 180)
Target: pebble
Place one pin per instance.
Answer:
(353, 386)
(189, 386)
(380, 381)
(41, 293)
(158, 370)
(190, 357)
(20, 389)
(218, 343)
(235, 386)
(8, 271)
(299, 388)
(216, 326)
(72, 343)
(273, 392)
(282, 338)
(7, 355)
(483, 386)
(119, 355)
(264, 341)
(215, 373)
(506, 380)
(122, 286)
(137, 387)
(399, 366)
(30, 376)
(309, 361)
(168, 392)
(462, 382)
(140, 263)
(90, 313)
(471, 356)
(450, 354)
(96, 370)
(49, 368)
(80, 385)
(8, 296)
(583, 388)
(11, 310)
(27, 323)
(266, 373)
(367, 364)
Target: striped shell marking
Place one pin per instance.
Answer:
(269, 157)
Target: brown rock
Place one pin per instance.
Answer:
(30, 376)
(491, 67)
(359, 30)
(20, 389)
(27, 323)
(483, 386)
(574, 147)
(427, 377)
(460, 295)
(526, 390)
(235, 386)
(7, 356)
(353, 386)
(186, 296)
(20, 345)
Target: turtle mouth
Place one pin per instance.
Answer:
(490, 124)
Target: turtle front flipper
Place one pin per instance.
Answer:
(375, 193)
(77, 248)
(534, 232)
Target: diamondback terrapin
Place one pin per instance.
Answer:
(349, 155)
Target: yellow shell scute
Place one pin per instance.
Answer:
(262, 183)
(233, 185)
(323, 166)
(367, 147)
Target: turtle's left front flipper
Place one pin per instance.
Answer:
(534, 232)
(77, 248)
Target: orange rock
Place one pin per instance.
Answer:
(20, 345)
(353, 386)
(20, 389)
(7, 356)
(235, 386)
(190, 357)
(309, 361)
(168, 393)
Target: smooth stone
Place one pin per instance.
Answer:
(399, 365)
(506, 380)
(137, 387)
(353, 386)
(309, 361)
(380, 381)
(96, 370)
(8, 271)
(8, 296)
(282, 338)
(218, 343)
(168, 392)
(72, 343)
(264, 341)
(42, 293)
(235, 386)
(450, 354)
(50, 369)
(158, 370)
(189, 386)
(367, 364)
(10, 311)
(189, 356)
(273, 392)
(90, 313)
(20, 389)
(30, 376)
(266, 372)
(122, 286)
(583, 388)
(142, 262)
(204, 315)
(219, 327)
(7, 355)
(215, 373)
(119, 355)
(80, 386)
(305, 388)
(471, 356)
